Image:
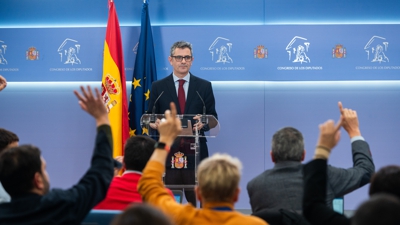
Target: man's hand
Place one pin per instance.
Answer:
(3, 83)
(119, 158)
(155, 124)
(350, 121)
(117, 170)
(93, 105)
(329, 134)
(170, 127)
(199, 124)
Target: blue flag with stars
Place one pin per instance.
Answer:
(143, 75)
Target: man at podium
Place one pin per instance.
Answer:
(191, 95)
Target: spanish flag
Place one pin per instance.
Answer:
(113, 82)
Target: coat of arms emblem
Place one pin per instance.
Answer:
(339, 52)
(179, 161)
(260, 52)
(109, 87)
(32, 54)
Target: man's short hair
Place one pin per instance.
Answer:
(7, 137)
(287, 145)
(18, 166)
(182, 45)
(219, 177)
(138, 150)
(141, 214)
(382, 209)
(386, 180)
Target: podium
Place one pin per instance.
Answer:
(185, 152)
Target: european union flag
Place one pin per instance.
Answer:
(143, 75)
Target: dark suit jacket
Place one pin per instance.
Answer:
(194, 105)
(315, 209)
(282, 186)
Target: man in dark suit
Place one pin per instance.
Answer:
(188, 92)
(282, 186)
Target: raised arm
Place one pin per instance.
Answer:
(169, 130)
(342, 180)
(93, 186)
(315, 179)
(150, 185)
(350, 121)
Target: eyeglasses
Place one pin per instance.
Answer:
(179, 58)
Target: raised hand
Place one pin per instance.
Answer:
(3, 83)
(350, 121)
(170, 127)
(93, 104)
(329, 134)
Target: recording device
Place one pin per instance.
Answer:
(204, 117)
(153, 114)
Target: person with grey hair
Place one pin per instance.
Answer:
(287, 145)
(192, 96)
(282, 186)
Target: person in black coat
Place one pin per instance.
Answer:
(382, 208)
(24, 176)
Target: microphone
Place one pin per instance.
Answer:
(204, 117)
(153, 115)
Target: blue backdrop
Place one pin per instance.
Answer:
(280, 52)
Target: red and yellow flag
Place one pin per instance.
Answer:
(113, 82)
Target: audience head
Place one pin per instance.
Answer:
(218, 178)
(138, 150)
(287, 145)
(23, 170)
(7, 139)
(386, 180)
(181, 45)
(141, 214)
(382, 209)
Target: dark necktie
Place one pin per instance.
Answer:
(181, 95)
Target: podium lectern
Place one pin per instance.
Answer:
(185, 152)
